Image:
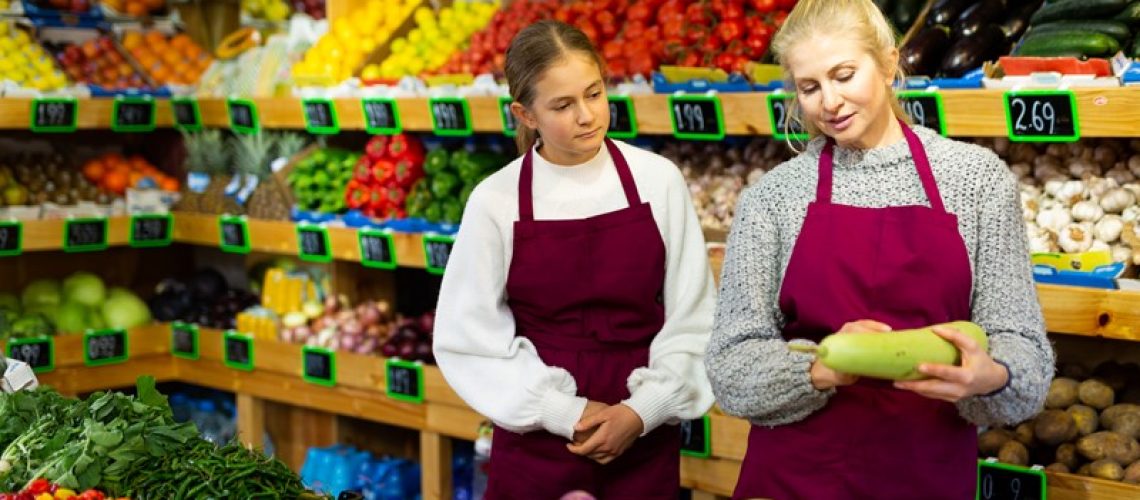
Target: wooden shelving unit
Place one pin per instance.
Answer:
(1110, 112)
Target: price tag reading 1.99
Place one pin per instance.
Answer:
(38, 353)
(450, 116)
(55, 114)
(381, 116)
(1041, 116)
(320, 116)
(1009, 482)
(623, 118)
(924, 109)
(11, 238)
(696, 117)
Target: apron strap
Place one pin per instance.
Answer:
(917, 152)
(526, 181)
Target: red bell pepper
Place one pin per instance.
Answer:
(37, 486)
(362, 172)
(400, 144)
(377, 147)
(356, 195)
(396, 197)
(383, 172)
(407, 173)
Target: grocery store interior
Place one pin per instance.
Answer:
(235, 215)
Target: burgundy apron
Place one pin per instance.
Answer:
(589, 294)
(904, 266)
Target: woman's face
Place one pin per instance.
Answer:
(842, 91)
(570, 110)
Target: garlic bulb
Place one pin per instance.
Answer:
(1100, 246)
(1087, 211)
(1130, 214)
(1134, 164)
(1054, 219)
(1134, 188)
(1071, 192)
(1029, 206)
(1053, 187)
(1021, 169)
(1121, 253)
(1104, 155)
(1116, 200)
(1120, 175)
(1108, 228)
(1075, 238)
(1081, 169)
(1098, 186)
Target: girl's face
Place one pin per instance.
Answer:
(843, 92)
(570, 110)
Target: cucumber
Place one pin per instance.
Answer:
(1077, 9)
(1058, 43)
(1115, 29)
(1130, 15)
(893, 355)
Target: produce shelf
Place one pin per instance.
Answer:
(1091, 311)
(1105, 112)
(48, 234)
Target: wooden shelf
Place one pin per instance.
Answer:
(1110, 112)
(1091, 312)
(47, 234)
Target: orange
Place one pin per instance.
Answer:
(94, 170)
(135, 9)
(116, 182)
(168, 184)
(138, 163)
(193, 52)
(161, 74)
(181, 41)
(153, 37)
(133, 40)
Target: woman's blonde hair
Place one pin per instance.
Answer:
(860, 20)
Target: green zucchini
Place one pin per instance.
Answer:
(1130, 15)
(1115, 29)
(894, 355)
(1077, 9)
(1059, 43)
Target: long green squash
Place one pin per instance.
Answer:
(894, 355)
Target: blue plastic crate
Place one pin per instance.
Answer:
(49, 17)
(735, 83)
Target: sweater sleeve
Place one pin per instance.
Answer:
(499, 375)
(753, 373)
(674, 385)
(1005, 305)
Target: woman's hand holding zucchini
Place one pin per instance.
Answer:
(977, 373)
(824, 377)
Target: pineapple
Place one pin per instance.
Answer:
(205, 154)
(270, 200)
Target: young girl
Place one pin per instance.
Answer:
(876, 226)
(578, 300)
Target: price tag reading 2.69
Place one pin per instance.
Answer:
(696, 117)
(784, 125)
(1041, 116)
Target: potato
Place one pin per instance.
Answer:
(1106, 469)
(1086, 418)
(1132, 473)
(1067, 454)
(1062, 393)
(1127, 424)
(1108, 444)
(1054, 427)
(1013, 453)
(1058, 468)
(1084, 470)
(1023, 433)
(1108, 416)
(990, 442)
(1096, 394)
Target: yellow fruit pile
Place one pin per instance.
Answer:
(270, 10)
(350, 40)
(23, 61)
(434, 39)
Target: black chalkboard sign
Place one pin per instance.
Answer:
(377, 249)
(925, 109)
(38, 353)
(450, 116)
(238, 349)
(781, 119)
(318, 366)
(405, 380)
(623, 118)
(997, 481)
(1041, 116)
(696, 117)
(54, 114)
(133, 114)
(187, 116)
(510, 126)
(437, 251)
(11, 238)
(234, 236)
(104, 347)
(151, 230)
(696, 437)
(85, 235)
(243, 116)
(381, 116)
(313, 243)
(320, 116)
(184, 339)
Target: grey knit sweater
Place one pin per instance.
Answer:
(753, 373)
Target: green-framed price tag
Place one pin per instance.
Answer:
(450, 116)
(38, 353)
(234, 234)
(243, 116)
(997, 481)
(318, 366)
(313, 243)
(187, 115)
(151, 230)
(381, 116)
(780, 118)
(405, 380)
(133, 114)
(1041, 116)
(54, 114)
(238, 350)
(623, 118)
(924, 108)
(184, 340)
(510, 125)
(11, 238)
(696, 116)
(87, 234)
(696, 437)
(320, 116)
(105, 347)
(377, 249)
(437, 251)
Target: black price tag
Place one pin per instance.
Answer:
(925, 109)
(623, 118)
(318, 366)
(238, 351)
(510, 126)
(1041, 116)
(55, 114)
(11, 238)
(133, 114)
(151, 230)
(184, 340)
(696, 437)
(450, 116)
(377, 249)
(320, 116)
(38, 353)
(313, 243)
(243, 116)
(187, 116)
(381, 116)
(405, 380)
(104, 347)
(696, 117)
(437, 250)
(85, 235)
(998, 481)
(780, 118)
(234, 234)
